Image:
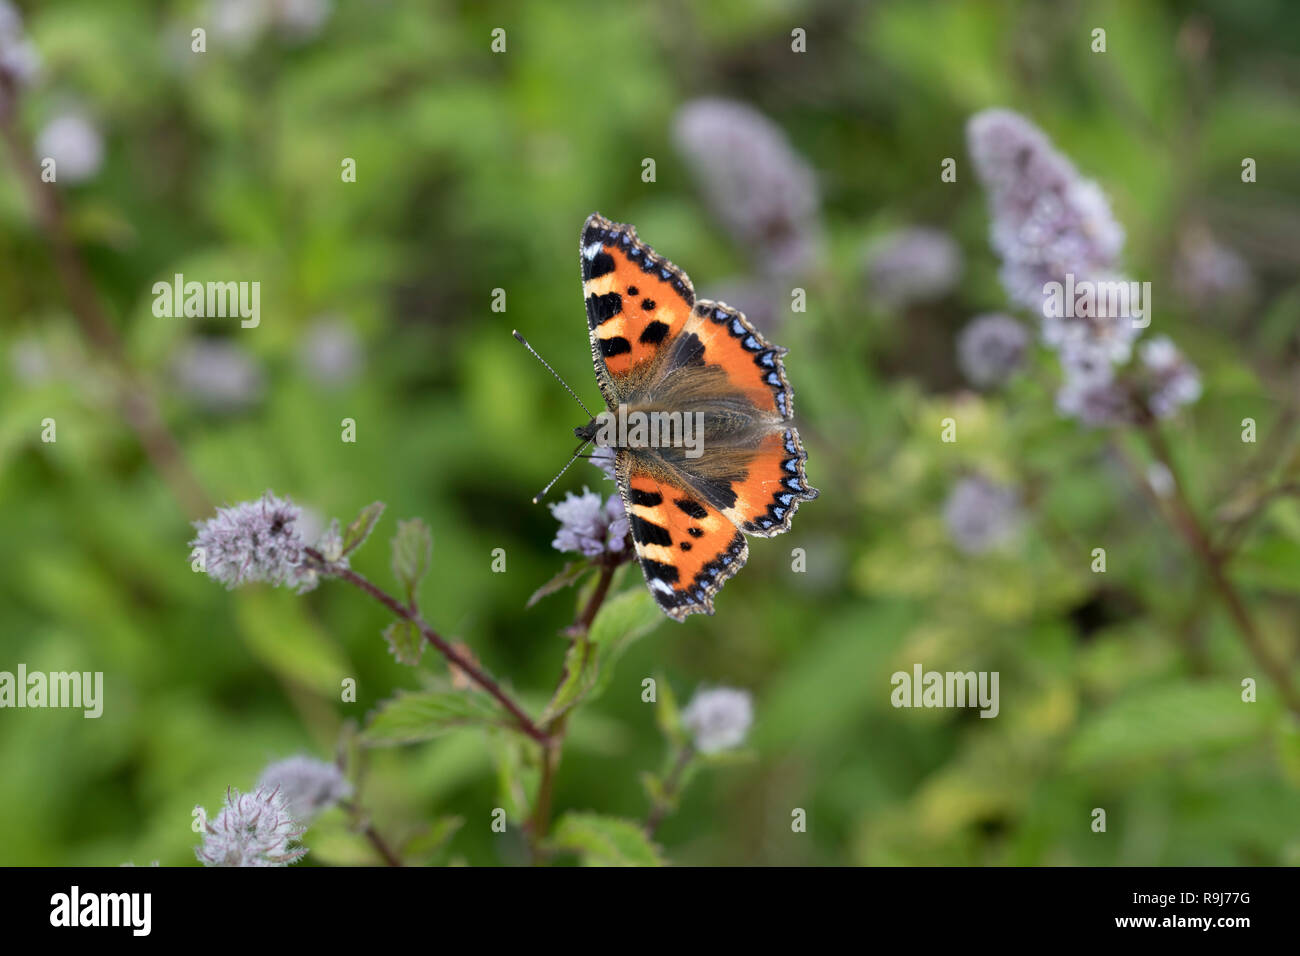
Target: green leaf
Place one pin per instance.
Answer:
(580, 672)
(422, 847)
(626, 617)
(412, 548)
(405, 641)
(568, 576)
(360, 527)
(605, 841)
(414, 716)
(1161, 722)
(589, 663)
(667, 715)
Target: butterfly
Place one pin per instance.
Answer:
(657, 349)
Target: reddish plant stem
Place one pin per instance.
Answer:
(472, 670)
(368, 830)
(1185, 520)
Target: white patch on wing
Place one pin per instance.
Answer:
(589, 252)
(663, 587)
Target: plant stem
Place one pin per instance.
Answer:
(671, 784)
(540, 821)
(471, 670)
(136, 403)
(378, 842)
(1184, 519)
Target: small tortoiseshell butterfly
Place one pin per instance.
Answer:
(656, 348)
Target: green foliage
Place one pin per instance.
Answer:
(475, 171)
(605, 841)
(414, 716)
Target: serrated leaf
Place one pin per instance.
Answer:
(626, 617)
(568, 576)
(412, 548)
(414, 716)
(360, 527)
(405, 641)
(589, 663)
(605, 841)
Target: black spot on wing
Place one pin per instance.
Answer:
(602, 263)
(614, 345)
(648, 499)
(602, 308)
(648, 305)
(657, 570)
(647, 532)
(653, 333)
(692, 508)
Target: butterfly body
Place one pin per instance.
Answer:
(657, 350)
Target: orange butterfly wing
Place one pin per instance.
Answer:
(637, 302)
(687, 548)
(688, 522)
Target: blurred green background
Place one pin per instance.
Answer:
(475, 172)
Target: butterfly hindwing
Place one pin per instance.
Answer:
(753, 365)
(686, 548)
(772, 487)
(637, 301)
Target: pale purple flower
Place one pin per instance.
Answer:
(309, 786)
(19, 61)
(718, 718)
(217, 375)
(300, 20)
(1047, 220)
(991, 348)
(1095, 401)
(1208, 274)
(588, 525)
(75, 145)
(331, 352)
(604, 457)
(913, 265)
(252, 829)
(1171, 380)
(981, 514)
(254, 541)
(756, 184)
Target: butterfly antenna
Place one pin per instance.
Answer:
(525, 344)
(542, 494)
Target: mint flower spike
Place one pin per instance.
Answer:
(309, 786)
(589, 525)
(252, 829)
(761, 190)
(718, 718)
(255, 541)
(1047, 219)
